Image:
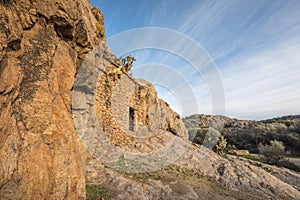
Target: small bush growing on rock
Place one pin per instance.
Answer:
(272, 153)
(119, 70)
(220, 146)
(127, 62)
(126, 66)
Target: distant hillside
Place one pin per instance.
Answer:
(247, 134)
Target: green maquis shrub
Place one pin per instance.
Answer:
(272, 153)
(220, 145)
(126, 66)
(127, 62)
(210, 138)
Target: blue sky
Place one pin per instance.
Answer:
(254, 44)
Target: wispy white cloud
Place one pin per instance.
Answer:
(265, 83)
(254, 43)
(259, 64)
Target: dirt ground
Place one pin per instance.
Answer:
(296, 161)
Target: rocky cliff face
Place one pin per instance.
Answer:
(42, 44)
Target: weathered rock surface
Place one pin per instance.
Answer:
(200, 174)
(172, 182)
(42, 44)
(239, 174)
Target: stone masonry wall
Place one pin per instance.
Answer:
(116, 94)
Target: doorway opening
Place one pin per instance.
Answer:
(131, 119)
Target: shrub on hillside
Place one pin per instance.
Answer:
(220, 146)
(198, 136)
(272, 153)
(210, 138)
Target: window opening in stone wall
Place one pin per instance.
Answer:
(131, 119)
